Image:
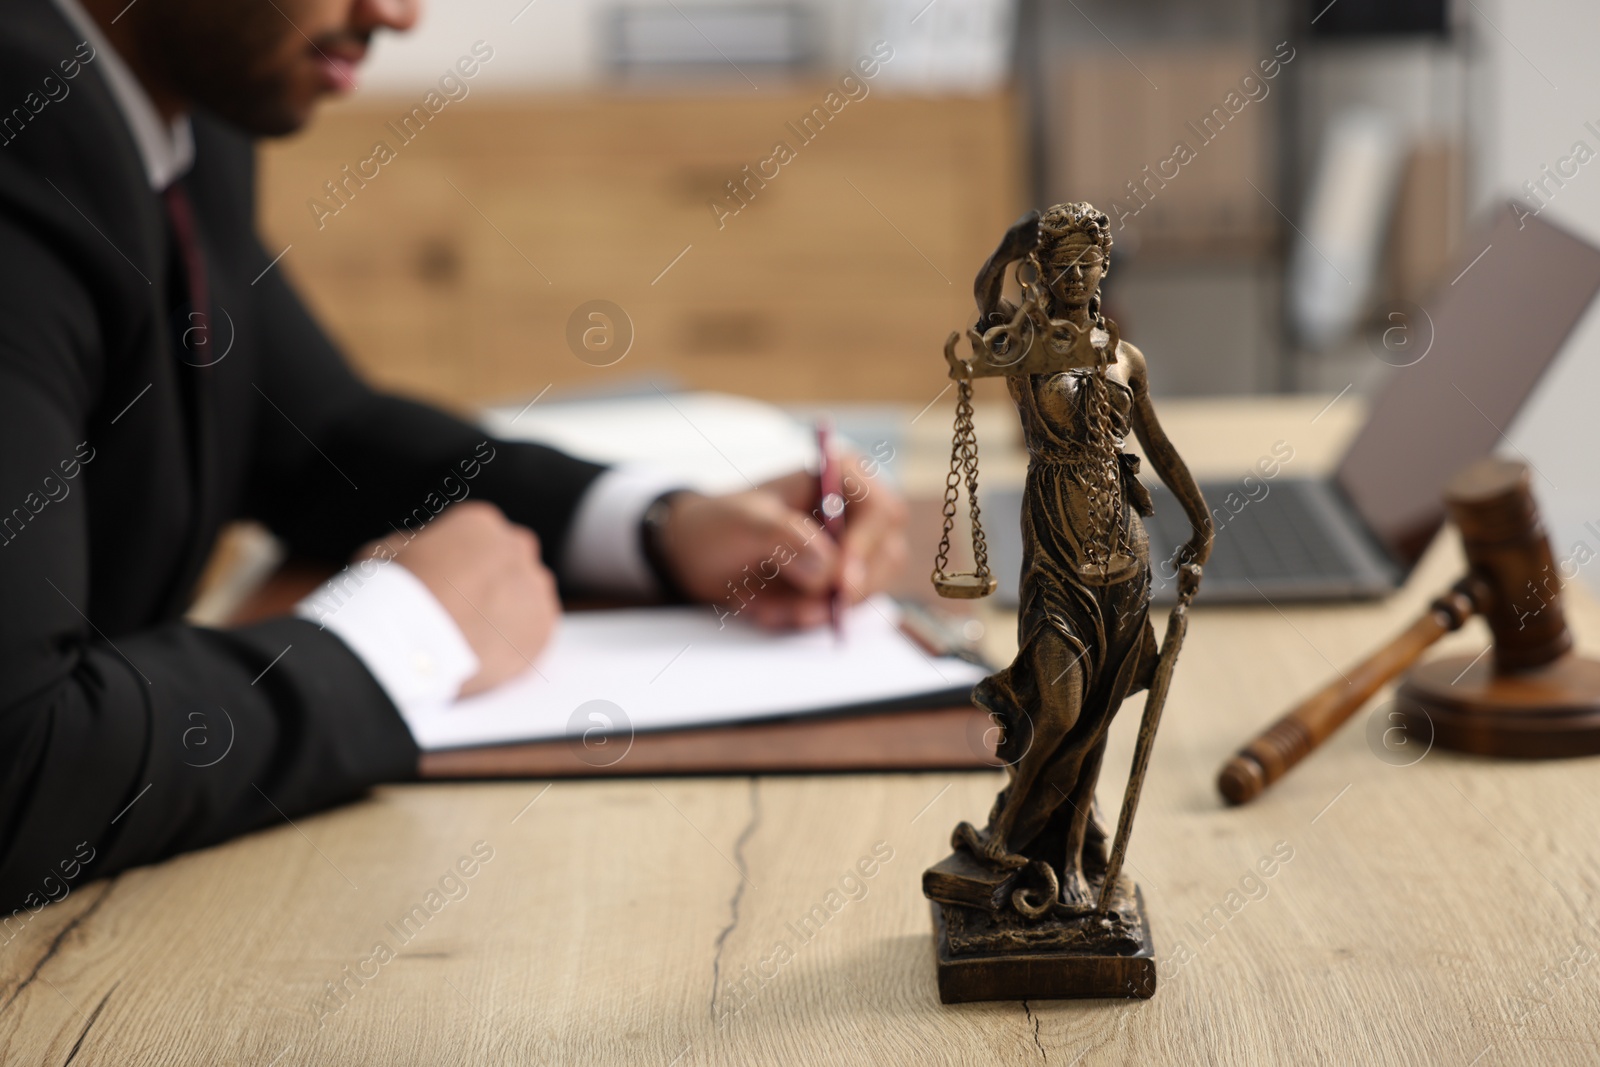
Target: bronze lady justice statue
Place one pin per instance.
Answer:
(1024, 881)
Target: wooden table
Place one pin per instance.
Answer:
(1437, 913)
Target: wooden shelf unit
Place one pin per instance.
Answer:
(452, 272)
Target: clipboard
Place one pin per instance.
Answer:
(933, 739)
(949, 737)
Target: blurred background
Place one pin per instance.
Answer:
(1282, 178)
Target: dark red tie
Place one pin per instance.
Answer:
(194, 330)
(196, 349)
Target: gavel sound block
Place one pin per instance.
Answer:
(1530, 697)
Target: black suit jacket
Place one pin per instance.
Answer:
(119, 462)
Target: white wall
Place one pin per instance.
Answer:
(1539, 82)
(948, 45)
(552, 44)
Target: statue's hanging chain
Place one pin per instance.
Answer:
(963, 467)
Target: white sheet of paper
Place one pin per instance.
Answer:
(657, 668)
(714, 442)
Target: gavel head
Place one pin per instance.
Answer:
(1491, 503)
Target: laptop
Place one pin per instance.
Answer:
(1357, 533)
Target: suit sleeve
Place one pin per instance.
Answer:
(338, 463)
(122, 748)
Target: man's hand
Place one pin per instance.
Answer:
(487, 574)
(768, 543)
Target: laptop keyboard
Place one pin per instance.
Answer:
(1275, 538)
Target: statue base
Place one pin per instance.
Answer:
(988, 954)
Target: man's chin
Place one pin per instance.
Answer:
(269, 117)
(287, 122)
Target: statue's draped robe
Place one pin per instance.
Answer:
(1071, 610)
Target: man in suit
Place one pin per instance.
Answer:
(159, 378)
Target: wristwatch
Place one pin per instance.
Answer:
(652, 528)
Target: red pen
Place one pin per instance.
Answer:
(830, 507)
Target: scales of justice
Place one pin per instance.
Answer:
(1034, 903)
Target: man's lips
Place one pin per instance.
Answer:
(337, 65)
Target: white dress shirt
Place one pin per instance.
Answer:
(383, 612)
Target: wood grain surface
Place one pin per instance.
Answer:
(1441, 912)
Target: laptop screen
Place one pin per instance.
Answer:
(1496, 327)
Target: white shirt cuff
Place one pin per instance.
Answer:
(603, 554)
(399, 631)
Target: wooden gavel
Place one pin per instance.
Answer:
(1534, 699)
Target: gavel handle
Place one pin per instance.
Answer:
(1293, 737)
